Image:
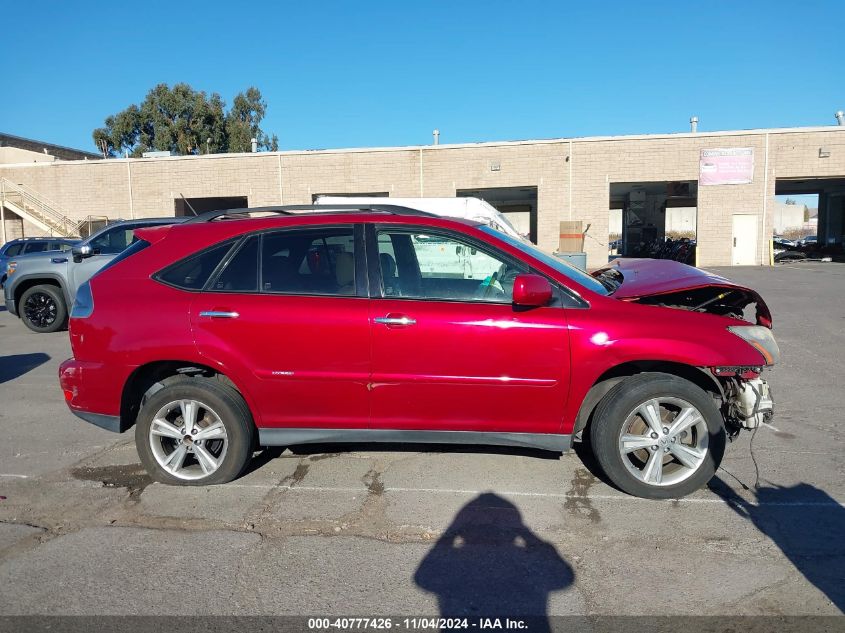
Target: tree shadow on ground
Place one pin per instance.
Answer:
(16, 365)
(807, 524)
(489, 564)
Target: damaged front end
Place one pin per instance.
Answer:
(746, 398)
(674, 285)
(736, 303)
(747, 404)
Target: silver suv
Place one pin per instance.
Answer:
(40, 287)
(29, 245)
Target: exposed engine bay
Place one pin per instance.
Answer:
(737, 303)
(748, 404)
(675, 285)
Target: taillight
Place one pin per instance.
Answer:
(83, 305)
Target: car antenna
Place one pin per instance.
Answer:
(189, 204)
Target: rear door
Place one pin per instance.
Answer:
(450, 351)
(288, 314)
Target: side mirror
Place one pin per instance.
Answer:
(81, 252)
(531, 291)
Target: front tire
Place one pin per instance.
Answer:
(658, 436)
(194, 432)
(42, 309)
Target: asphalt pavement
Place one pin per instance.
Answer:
(413, 530)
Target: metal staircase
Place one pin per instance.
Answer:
(37, 209)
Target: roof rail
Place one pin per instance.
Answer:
(297, 209)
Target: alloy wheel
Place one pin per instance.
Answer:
(188, 439)
(664, 441)
(40, 309)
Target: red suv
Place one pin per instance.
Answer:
(379, 323)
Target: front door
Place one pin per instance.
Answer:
(744, 240)
(297, 332)
(450, 351)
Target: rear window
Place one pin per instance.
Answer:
(195, 271)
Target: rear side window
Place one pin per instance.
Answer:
(13, 250)
(35, 247)
(241, 273)
(313, 262)
(193, 273)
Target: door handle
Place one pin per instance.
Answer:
(396, 320)
(219, 314)
(59, 260)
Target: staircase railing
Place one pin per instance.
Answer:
(39, 207)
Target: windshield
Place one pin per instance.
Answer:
(575, 274)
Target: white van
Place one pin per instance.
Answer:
(466, 208)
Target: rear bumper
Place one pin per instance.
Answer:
(10, 306)
(93, 391)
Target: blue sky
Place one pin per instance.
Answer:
(387, 73)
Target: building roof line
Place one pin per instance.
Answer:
(455, 146)
(4, 137)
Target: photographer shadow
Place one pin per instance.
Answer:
(806, 523)
(489, 564)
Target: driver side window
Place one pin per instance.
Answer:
(113, 241)
(430, 266)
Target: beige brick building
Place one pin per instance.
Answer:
(541, 182)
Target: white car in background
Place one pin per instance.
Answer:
(467, 208)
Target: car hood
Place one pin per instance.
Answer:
(673, 284)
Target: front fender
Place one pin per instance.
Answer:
(607, 336)
(12, 285)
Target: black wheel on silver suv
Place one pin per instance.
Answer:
(194, 432)
(42, 309)
(658, 436)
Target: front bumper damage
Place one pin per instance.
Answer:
(749, 403)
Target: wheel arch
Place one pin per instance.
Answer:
(145, 377)
(696, 375)
(26, 282)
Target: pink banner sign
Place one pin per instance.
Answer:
(734, 166)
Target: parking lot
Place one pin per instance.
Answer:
(394, 530)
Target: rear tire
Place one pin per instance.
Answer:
(658, 436)
(195, 432)
(43, 309)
